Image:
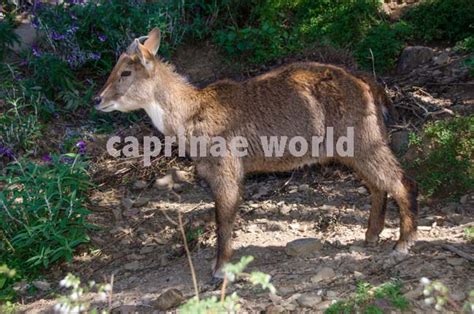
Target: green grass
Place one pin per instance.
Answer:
(366, 297)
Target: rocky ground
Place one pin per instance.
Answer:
(139, 243)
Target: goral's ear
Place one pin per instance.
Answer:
(152, 43)
(145, 56)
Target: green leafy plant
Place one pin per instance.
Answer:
(19, 124)
(446, 152)
(465, 45)
(43, 216)
(276, 28)
(441, 20)
(228, 304)
(256, 45)
(366, 295)
(7, 276)
(7, 36)
(382, 45)
(469, 234)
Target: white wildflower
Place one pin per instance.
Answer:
(108, 287)
(425, 281)
(74, 296)
(102, 296)
(429, 301)
(57, 307)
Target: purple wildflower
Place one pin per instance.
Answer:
(35, 23)
(82, 147)
(75, 1)
(67, 160)
(7, 152)
(71, 60)
(95, 56)
(57, 36)
(35, 50)
(47, 158)
(102, 37)
(73, 29)
(37, 5)
(23, 62)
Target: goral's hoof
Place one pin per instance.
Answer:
(403, 246)
(215, 282)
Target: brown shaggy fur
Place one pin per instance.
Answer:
(300, 99)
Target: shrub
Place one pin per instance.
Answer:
(94, 33)
(276, 28)
(83, 40)
(466, 45)
(343, 23)
(43, 217)
(442, 20)
(380, 48)
(7, 36)
(19, 125)
(255, 45)
(445, 165)
(7, 275)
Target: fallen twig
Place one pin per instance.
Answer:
(457, 251)
(188, 254)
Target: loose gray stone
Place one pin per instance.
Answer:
(141, 201)
(304, 188)
(164, 183)
(324, 274)
(323, 305)
(140, 184)
(443, 58)
(414, 56)
(303, 246)
(135, 265)
(42, 285)
(454, 261)
(285, 210)
(309, 300)
(168, 300)
(361, 190)
(27, 36)
(127, 203)
(399, 141)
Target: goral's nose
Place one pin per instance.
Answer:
(97, 101)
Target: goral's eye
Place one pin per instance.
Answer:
(126, 73)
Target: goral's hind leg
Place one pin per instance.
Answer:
(381, 170)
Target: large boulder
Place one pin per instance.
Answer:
(414, 56)
(27, 35)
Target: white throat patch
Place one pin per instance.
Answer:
(156, 114)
